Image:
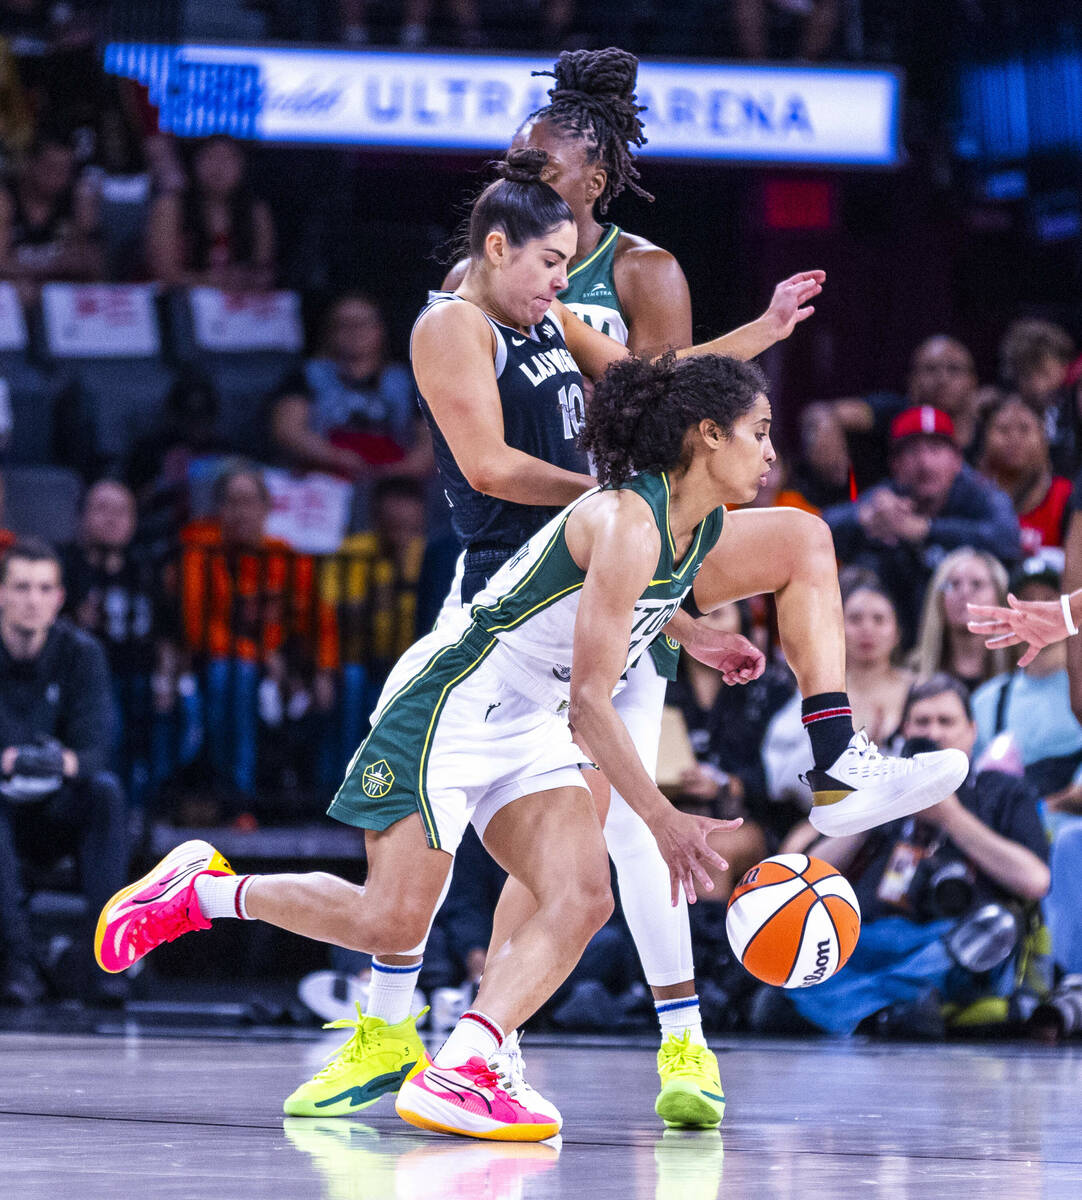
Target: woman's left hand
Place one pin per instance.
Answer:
(738, 660)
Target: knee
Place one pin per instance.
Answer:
(811, 536)
(587, 904)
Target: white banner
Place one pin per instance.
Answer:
(797, 114)
(246, 321)
(310, 512)
(12, 320)
(100, 320)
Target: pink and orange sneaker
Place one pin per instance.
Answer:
(475, 1100)
(157, 908)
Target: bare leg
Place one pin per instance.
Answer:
(789, 553)
(388, 915)
(552, 844)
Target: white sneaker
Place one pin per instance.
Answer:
(508, 1063)
(863, 788)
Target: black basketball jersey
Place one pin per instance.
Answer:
(543, 407)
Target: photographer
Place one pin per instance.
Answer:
(56, 730)
(917, 881)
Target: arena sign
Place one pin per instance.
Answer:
(779, 114)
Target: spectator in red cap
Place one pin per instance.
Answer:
(932, 503)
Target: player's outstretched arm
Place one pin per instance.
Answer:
(1035, 623)
(614, 538)
(595, 352)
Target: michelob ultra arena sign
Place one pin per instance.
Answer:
(780, 114)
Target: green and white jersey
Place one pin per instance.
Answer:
(591, 289)
(591, 295)
(530, 605)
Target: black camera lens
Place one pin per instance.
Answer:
(951, 889)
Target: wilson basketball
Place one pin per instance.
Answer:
(793, 920)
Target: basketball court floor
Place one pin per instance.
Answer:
(129, 1113)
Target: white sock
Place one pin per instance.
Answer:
(475, 1035)
(680, 1016)
(223, 895)
(390, 993)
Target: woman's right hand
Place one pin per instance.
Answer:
(682, 840)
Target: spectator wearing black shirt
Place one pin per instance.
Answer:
(114, 592)
(48, 224)
(933, 503)
(350, 411)
(985, 841)
(57, 794)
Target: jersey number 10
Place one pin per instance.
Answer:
(573, 408)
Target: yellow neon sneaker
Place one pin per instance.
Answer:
(375, 1061)
(691, 1095)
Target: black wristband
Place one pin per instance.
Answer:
(689, 606)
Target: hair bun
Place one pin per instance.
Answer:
(522, 165)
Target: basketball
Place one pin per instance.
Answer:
(793, 920)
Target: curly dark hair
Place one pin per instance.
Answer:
(518, 202)
(642, 410)
(594, 99)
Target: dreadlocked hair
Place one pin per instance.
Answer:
(641, 411)
(594, 99)
(518, 202)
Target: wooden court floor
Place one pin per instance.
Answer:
(187, 1118)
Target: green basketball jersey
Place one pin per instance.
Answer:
(591, 289)
(531, 603)
(591, 295)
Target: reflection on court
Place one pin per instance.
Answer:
(85, 1117)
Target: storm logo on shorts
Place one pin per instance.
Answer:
(377, 779)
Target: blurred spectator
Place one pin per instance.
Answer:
(160, 466)
(821, 476)
(7, 536)
(16, 116)
(48, 225)
(725, 727)
(917, 880)
(248, 611)
(1014, 456)
(114, 592)
(416, 17)
(1032, 704)
(349, 411)
(217, 232)
(1035, 360)
(817, 20)
(57, 795)
(941, 375)
(932, 503)
(876, 685)
(944, 643)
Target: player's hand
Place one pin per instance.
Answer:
(789, 304)
(681, 838)
(1038, 623)
(738, 660)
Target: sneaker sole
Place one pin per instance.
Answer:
(215, 863)
(440, 1117)
(851, 815)
(683, 1109)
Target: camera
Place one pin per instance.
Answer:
(942, 887)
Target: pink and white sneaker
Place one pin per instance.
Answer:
(157, 908)
(472, 1100)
